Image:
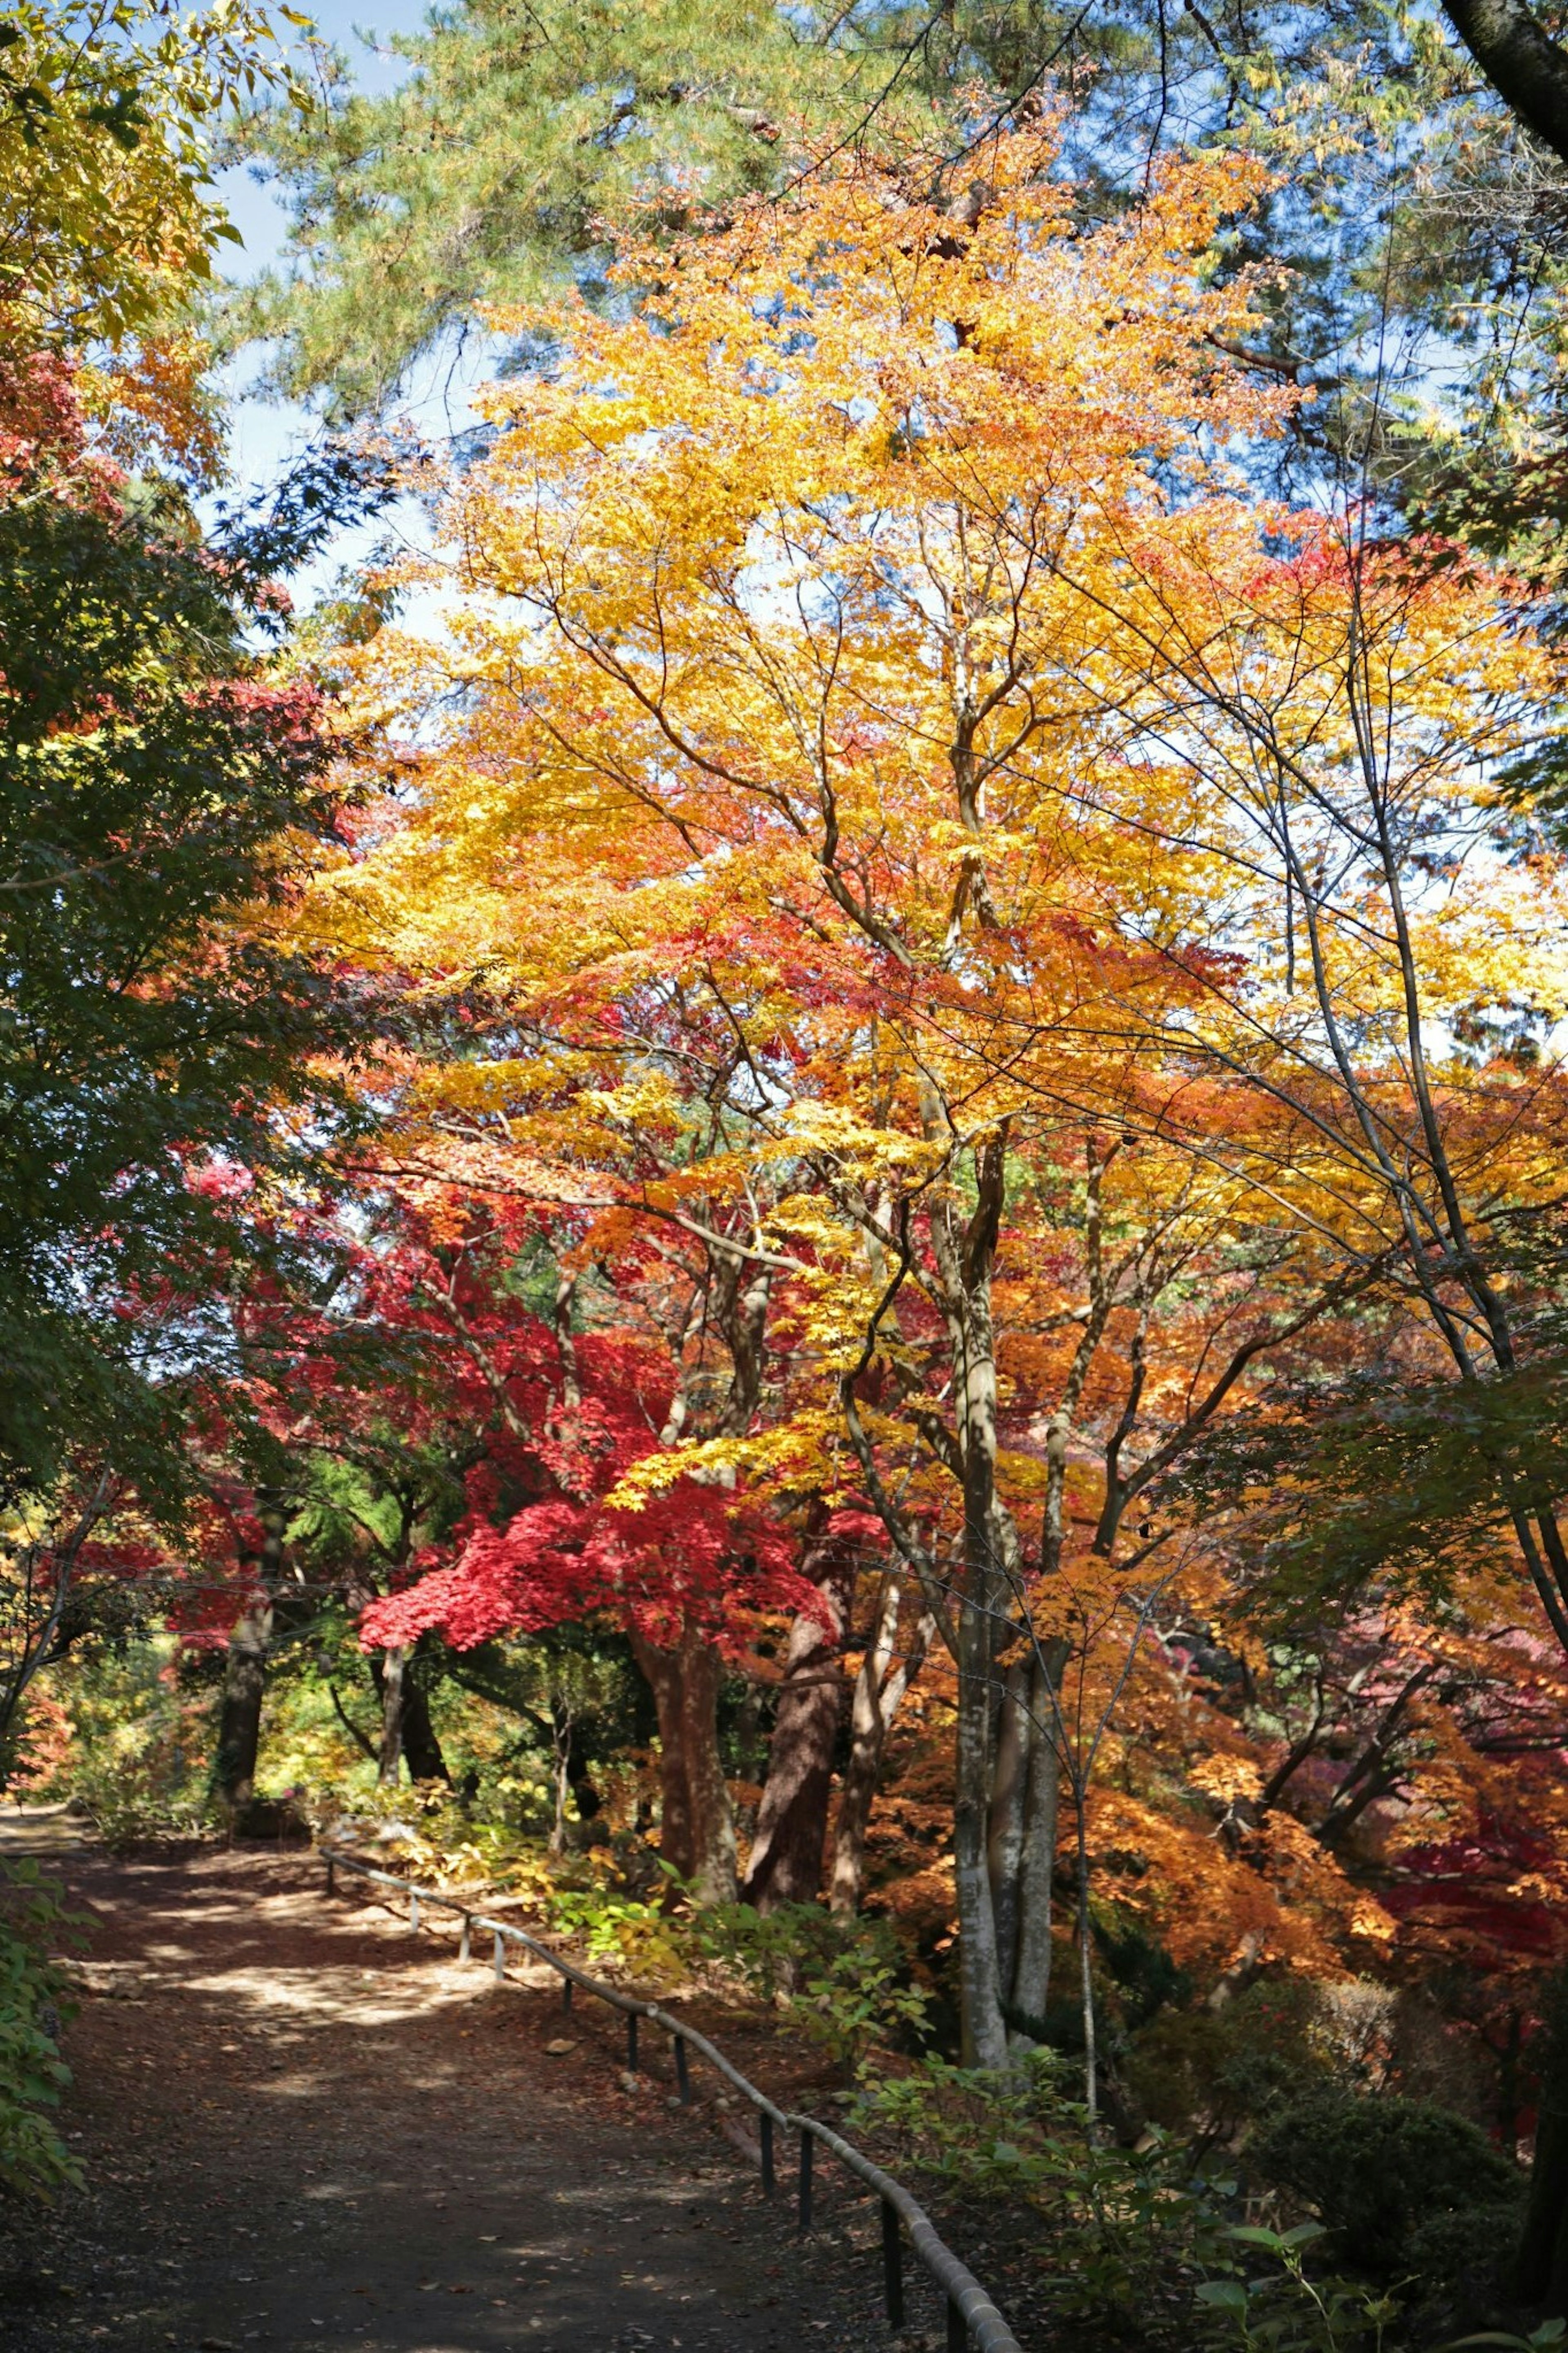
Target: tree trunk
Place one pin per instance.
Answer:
(697, 1835)
(245, 1674)
(984, 2041)
(965, 1248)
(1542, 2266)
(1031, 1978)
(981, 1604)
(391, 1682)
(879, 1687)
(1524, 65)
(786, 1857)
(1005, 1831)
(406, 1730)
(421, 1745)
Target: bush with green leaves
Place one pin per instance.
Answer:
(1381, 2171)
(34, 2159)
(847, 1983)
(1212, 2072)
(1123, 2227)
(643, 1937)
(141, 1718)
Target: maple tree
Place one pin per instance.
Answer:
(791, 637)
(844, 694)
(561, 1402)
(106, 122)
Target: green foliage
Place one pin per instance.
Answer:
(1146, 1978)
(1214, 2071)
(1284, 2310)
(1548, 2336)
(1370, 1482)
(1464, 2255)
(154, 790)
(140, 1740)
(1134, 2238)
(526, 126)
(1121, 2225)
(34, 2160)
(105, 115)
(846, 1983)
(1380, 2169)
(644, 1939)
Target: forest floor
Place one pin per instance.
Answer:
(302, 2127)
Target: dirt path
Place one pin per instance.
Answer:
(304, 2127)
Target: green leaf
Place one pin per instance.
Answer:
(1230, 2295)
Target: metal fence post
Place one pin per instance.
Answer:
(500, 1955)
(412, 1910)
(766, 2136)
(565, 1993)
(332, 1882)
(466, 1948)
(632, 2042)
(957, 2329)
(682, 2072)
(805, 2181)
(892, 2265)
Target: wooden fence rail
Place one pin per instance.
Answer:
(973, 2320)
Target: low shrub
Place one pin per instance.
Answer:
(847, 1984)
(1212, 2072)
(1380, 2169)
(34, 2160)
(1126, 2229)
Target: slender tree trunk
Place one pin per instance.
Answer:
(1086, 1965)
(1005, 1838)
(984, 2040)
(563, 1790)
(697, 1835)
(245, 1674)
(1031, 1977)
(981, 1608)
(879, 1687)
(785, 1866)
(391, 1680)
(965, 1249)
